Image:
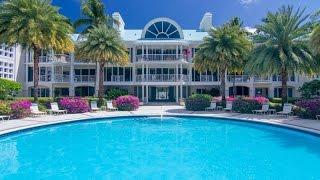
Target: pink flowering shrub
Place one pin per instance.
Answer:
(127, 103)
(230, 98)
(74, 105)
(20, 109)
(261, 100)
(308, 108)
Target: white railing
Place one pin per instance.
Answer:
(279, 78)
(45, 78)
(61, 78)
(261, 79)
(84, 78)
(239, 78)
(208, 78)
(159, 57)
(57, 58)
(161, 78)
(118, 78)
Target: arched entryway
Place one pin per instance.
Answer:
(240, 91)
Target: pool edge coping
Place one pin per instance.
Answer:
(298, 128)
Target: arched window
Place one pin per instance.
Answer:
(162, 30)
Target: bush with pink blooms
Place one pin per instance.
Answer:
(127, 103)
(74, 105)
(20, 109)
(308, 108)
(247, 104)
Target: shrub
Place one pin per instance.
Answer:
(308, 108)
(261, 99)
(9, 88)
(198, 102)
(5, 108)
(246, 105)
(115, 93)
(127, 103)
(74, 105)
(20, 108)
(310, 89)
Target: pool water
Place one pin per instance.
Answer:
(148, 148)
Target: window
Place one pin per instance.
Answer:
(278, 92)
(42, 92)
(162, 30)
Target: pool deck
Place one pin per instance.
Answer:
(311, 126)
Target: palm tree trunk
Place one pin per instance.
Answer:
(223, 84)
(234, 85)
(101, 87)
(284, 79)
(36, 57)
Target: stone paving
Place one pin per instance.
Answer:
(292, 122)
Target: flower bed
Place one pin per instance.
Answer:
(127, 103)
(74, 105)
(247, 105)
(198, 102)
(308, 108)
(20, 108)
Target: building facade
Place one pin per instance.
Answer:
(161, 68)
(10, 62)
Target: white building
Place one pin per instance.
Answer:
(161, 68)
(10, 62)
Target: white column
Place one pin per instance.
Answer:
(177, 51)
(147, 94)
(177, 67)
(71, 88)
(177, 94)
(142, 68)
(190, 74)
(181, 91)
(97, 80)
(143, 94)
(134, 54)
(134, 79)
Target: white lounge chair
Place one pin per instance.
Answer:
(287, 110)
(55, 109)
(228, 106)
(263, 110)
(110, 106)
(212, 107)
(35, 110)
(318, 117)
(4, 117)
(94, 106)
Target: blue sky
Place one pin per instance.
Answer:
(188, 13)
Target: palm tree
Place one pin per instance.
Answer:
(34, 24)
(315, 37)
(225, 48)
(282, 46)
(93, 12)
(102, 45)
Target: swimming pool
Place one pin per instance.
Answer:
(148, 148)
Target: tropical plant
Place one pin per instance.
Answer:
(310, 89)
(34, 24)
(74, 105)
(315, 36)
(20, 108)
(93, 14)
(102, 45)
(127, 103)
(8, 88)
(282, 46)
(198, 102)
(114, 93)
(308, 108)
(5, 108)
(224, 49)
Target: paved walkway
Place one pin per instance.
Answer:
(292, 122)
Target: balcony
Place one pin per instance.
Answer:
(238, 78)
(62, 78)
(208, 78)
(279, 79)
(57, 58)
(84, 78)
(260, 79)
(161, 78)
(159, 57)
(45, 78)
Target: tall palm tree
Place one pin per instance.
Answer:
(315, 37)
(282, 46)
(34, 24)
(225, 48)
(102, 45)
(93, 14)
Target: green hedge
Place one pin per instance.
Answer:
(198, 102)
(246, 105)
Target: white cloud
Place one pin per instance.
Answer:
(247, 2)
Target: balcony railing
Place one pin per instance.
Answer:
(84, 78)
(238, 78)
(260, 79)
(57, 58)
(208, 78)
(161, 78)
(159, 57)
(62, 78)
(279, 78)
(45, 78)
